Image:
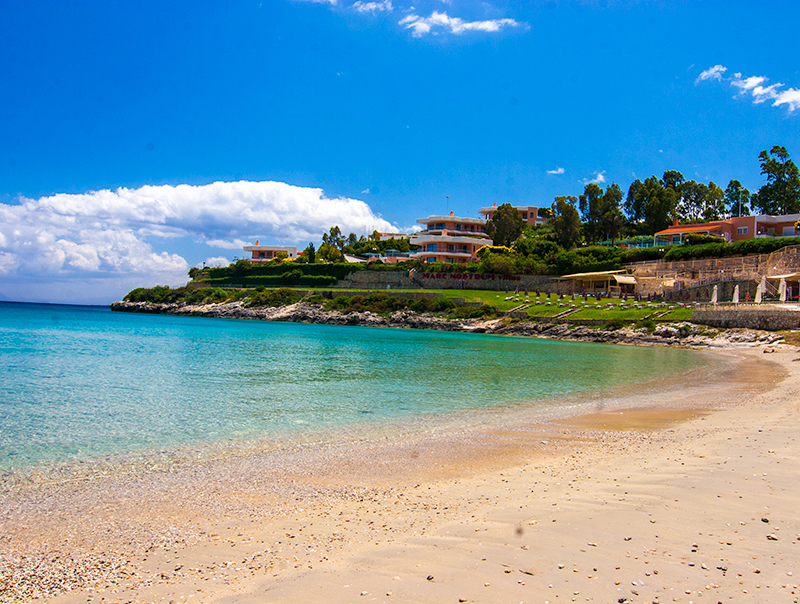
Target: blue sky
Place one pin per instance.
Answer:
(118, 118)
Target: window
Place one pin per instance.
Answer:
(451, 247)
(431, 247)
(459, 227)
(788, 231)
(741, 231)
(439, 226)
(524, 216)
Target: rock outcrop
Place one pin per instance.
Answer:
(671, 334)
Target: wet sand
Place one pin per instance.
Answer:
(686, 495)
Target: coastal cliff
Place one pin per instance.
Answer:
(670, 334)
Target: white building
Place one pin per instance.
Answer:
(265, 253)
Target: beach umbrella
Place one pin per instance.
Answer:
(782, 289)
(759, 292)
(714, 295)
(736, 294)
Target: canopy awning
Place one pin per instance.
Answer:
(779, 277)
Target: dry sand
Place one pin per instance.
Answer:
(694, 500)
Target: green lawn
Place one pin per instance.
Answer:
(541, 306)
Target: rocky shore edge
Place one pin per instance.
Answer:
(683, 334)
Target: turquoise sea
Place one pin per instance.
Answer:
(82, 382)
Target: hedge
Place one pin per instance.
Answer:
(290, 278)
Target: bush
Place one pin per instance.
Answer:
(278, 297)
(642, 254)
(471, 312)
(702, 239)
(614, 323)
(648, 324)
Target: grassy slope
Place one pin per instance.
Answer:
(606, 308)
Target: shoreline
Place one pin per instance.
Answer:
(196, 517)
(683, 334)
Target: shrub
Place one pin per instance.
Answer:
(470, 312)
(278, 297)
(648, 324)
(614, 323)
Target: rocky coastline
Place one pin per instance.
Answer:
(682, 334)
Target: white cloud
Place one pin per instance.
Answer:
(365, 192)
(225, 244)
(424, 25)
(116, 239)
(755, 88)
(331, 2)
(214, 261)
(599, 179)
(558, 170)
(712, 73)
(373, 7)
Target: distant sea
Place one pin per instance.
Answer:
(81, 383)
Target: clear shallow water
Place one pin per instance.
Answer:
(80, 382)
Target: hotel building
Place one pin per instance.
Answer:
(450, 239)
(732, 229)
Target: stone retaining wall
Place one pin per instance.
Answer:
(748, 317)
(430, 280)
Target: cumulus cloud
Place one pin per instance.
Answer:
(712, 73)
(214, 261)
(420, 26)
(118, 238)
(599, 179)
(373, 7)
(756, 88)
(558, 170)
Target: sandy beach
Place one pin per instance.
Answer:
(687, 497)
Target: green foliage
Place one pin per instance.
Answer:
(614, 323)
(566, 222)
(642, 254)
(702, 239)
(781, 194)
(328, 252)
(163, 294)
(648, 324)
(587, 259)
(651, 204)
(273, 297)
(339, 271)
(721, 250)
(505, 226)
(293, 278)
(486, 250)
(737, 199)
(383, 304)
(474, 312)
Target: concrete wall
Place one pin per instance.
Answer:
(748, 317)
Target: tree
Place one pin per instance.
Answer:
(715, 203)
(505, 226)
(611, 219)
(651, 205)
(737, 199)
(328, 252)
(310, 253)
(591, 212)
(333, 238)
(781, 194)
(566, 222)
